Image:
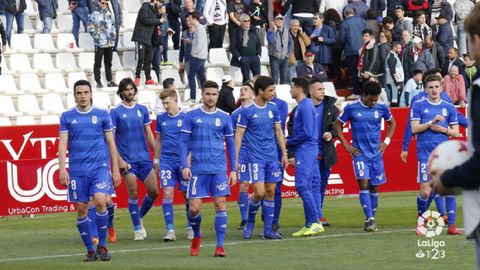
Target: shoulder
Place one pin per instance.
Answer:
(222, 112)
(448, 104)
(68, 112)
(100, 111)
(352, 104)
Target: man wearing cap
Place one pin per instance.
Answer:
(226, 100)
(310, 69)
(444, 32)
(418, 58)
(279, 48)
(403, 23)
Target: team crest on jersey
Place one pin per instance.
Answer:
(179, 123)
(94, 119)
(217, 122)
(270, 114)
(444, 112)
(375, 114)
(139, 113)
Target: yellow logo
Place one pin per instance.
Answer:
(444, 112)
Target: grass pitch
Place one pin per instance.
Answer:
(52, 241)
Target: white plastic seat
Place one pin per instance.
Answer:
(131, 5)
(128, 59)
(173, 56)
(330, 91)
(65, 22)
(5, 121)
(172, 73)
(70, 101)
(74, 77)
(7, 108)
(116, 64)
(264, 59)
(236, 92)
(66, 42)
(8, 86)
(50, 120)
(20, 43)
(215, 74)
(28, 27)
(29, 83)
(5, 69)
(264, 71)
(217, 57)
(147, 98)
(283, 92)
(85, 41)
(122, 74)
(63, 9)
(86, 61)
(20, 63)
(28, 104)
(116, 100)
(27, 120)
(236, 74)
(56, 83)
(66, 62)
(101, 100)
(52, 103)
(127, 43)
(44, 43)
(129, 20)
(43, 62)
(31, 9)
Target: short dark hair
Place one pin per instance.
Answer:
(123, 85)
(432, 78)
(395, 44)
(430, 72)
(80, 83)
(367, 31)
(416, 72)
(314, 80)
(420, 13)
(371, 89)
(372, 14)
(262, 82)
(194, 15)
(302, 83)
(387, 19)
(168, 82)
(210, 84)
(249, 84)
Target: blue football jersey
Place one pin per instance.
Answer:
(169, 127)
(87, 148)
(129, 123)
(242, 155)
(207, 134)
(424, 111)
(259, 131)
(305, 127)
(366, 126)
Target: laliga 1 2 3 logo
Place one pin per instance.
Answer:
(430, 224)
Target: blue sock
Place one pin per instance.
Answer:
(111, 214)
(451, 202)
(243, 204)
(92, 216)
(220, 226)
(146, 205)
(196, 221)
(374, 202)
(134, 213)
(102, 224)
(430, 199)
(422, 204)
(187, 208)
(252, 211)
(278, 204)
(366, 203)
(83, 226)
(268, 214)
(309, 207)
(167, 207)
(440, 202)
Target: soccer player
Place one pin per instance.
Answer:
(433, 120)
(132, 133)
(86, 132)
(167, 159)
(304, 140)
(260, 122)
(246, 96)
(365, 116)
(204, 132)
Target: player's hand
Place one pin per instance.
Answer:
(439, 129)
(284, 161)
(186, 173)
(403, 156)
(438, 118)
(64, 178)
(116, 179)
(122, 165)
(232, 178)
(291, 162)
(436, 183)
(327, 136)
(382, 146)
(352, 150)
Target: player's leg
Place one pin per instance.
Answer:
(423, 179)
(324, 175)
(92, 216)
(365, 201)
(278, 207)
(316, 189)
(244, 179)
(258, 177)
(451, 204)
(132, 190)
(112, 234)
(220, 224)
(268, 211)
(190, 233)
(198, 188)
(100, 200)
(147, 175)
(168, 213)
(373, 189)
(83, 226)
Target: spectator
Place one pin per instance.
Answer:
(462, 9)
(359, 7)
(145, 25)
(372, 23)
(418, 58)
(159, 39)
(421, 29)
(392, 6)
(407, 46)
(80, 10)
(453, 59)
(383, 50)
(368, 63)
(435, 50)
(454, 86)
(102, 28)
(444, 33)
(332, 19)
(14, 9)
(388, 25)
(416, 7)
(168, 84)
(173, 15)
(279, 48)
(470, 70)
(47, 10)
(116, 9)
(186, 10)
(322, 40)
(246, 49)
(215, 12)
(235, 8)
(350, 36)
(441, 7)
(413, 87)
(198, 56)
(377, 5)
(258, 17)
(300, 42)
(311, 69)
(226, 100)
(337, 5)
(394, 73)
(303, 11)
(186, 45)
(403, 23)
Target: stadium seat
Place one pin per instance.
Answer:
(66, 62)
(20, 43)
(236, 74)
(173, 56)
(121, 74)
(8, 86)
(217, 57)
(330, 91)
(29, 83)
(127, 43)
(283, 92)
(27, 120)
(70, 101)
(31, 9)
(236, 92)
(66, 43)
(74, 77)
(52, 103)
(20, 63)
(172, 73)
(128, 60)
(56, 83)
(43, 62)
(5, 121)
(5, 69)
(147, 98)
(28, 104)
(116, 100)
(129, 20)
(86, 61)
(50, 120)
(39, 26)
(65, 22)
(215, 74)
(85, 41)
(102, 100)
(264, 60)
(7, 108)
(63, 9)
(131, 5)
(116, 64)
(264, 71)
(44, 43)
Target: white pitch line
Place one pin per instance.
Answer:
(246, 242)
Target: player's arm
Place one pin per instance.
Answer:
(232, 154)
(114, 157)
(239, 132)
(392, 124)
(183, 145)
(156, 153)
(338, 128)
(62, 156)
(281, 143)
(149, 135)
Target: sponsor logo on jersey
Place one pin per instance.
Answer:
(255, 116)
(163, 124)
(359, 114)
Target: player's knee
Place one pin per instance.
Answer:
(133, 196)
(153, 194)
(373, 189)
(301, 189)
(424, 194)
(82, 210)
(269, 195)
(220, 205)
(244, 186)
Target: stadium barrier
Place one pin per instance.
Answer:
(29, 170)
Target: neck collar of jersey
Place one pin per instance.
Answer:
(260, 107)
(360, 100)
(201, 108)
(173, 116)
(433, 103)
(76, 108)
(134, 103)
